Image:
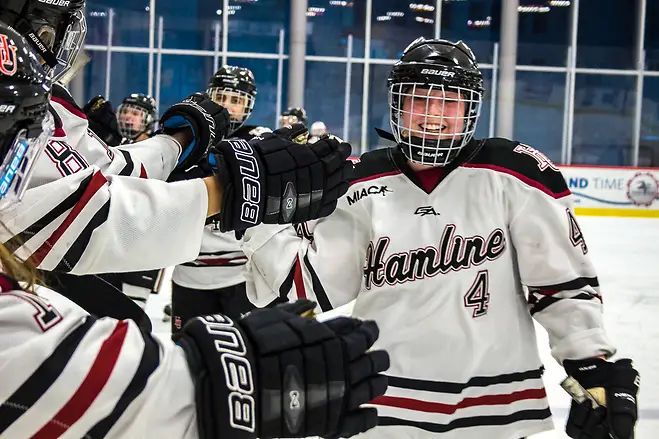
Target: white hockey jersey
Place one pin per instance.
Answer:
(220, 264)
(442, 274)
(86, 212)
(67, 374)
(221, 261)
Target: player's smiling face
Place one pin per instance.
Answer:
(432, 114)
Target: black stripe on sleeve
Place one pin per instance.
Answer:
(15, 242)
(457, 388)
(200, 264)
(321, 295)
(130, 166)
(42, 378)
(575, 284)
(219, 253)
(148, 364)
(287, 285)
(473, 421)
(53, 112)
(547, 301)
(77, 249)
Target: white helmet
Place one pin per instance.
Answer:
(318, 129)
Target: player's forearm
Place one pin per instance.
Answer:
(272, 251)
(155, 157)
(215, 194)
(173, 383)
(576, 329)
(327, 269)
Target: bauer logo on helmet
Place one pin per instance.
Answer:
(438, 72)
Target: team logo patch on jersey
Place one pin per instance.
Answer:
(543, 160)
(454, 253)
(8, 61)
(365, 192)
(426, 210)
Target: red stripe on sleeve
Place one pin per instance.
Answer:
(221, 261)
(91, 387)
(96, 183)
(142, 171)
(521, 177)
(69, 107)
(299, 282)
(449, 409)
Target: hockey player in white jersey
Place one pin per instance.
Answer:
(214, 282)
(435, 240)
(86, 212)
(65, 373)
(133, 122)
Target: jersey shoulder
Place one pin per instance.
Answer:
(373, 165)
(62, 94)
(527, 164)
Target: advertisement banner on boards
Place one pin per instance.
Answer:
(614, 191)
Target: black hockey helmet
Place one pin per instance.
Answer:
(235, 89)
(25, 122)
(435, 94)
(137, 115)
(293, 115)
(56, 29)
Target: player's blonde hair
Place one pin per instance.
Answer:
(21, 271)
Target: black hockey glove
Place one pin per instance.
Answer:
(616, 413)
(276, 374)
(274, 180)
(208, 121)
(298, 133)
(103, 120)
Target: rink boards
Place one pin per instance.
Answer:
(614, 191)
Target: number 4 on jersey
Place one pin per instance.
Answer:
(576, 235)
(478, 296)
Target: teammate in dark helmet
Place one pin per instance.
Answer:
(490, 244)
(136, 117)
(293, 115)
(215, 281)
(234, 88)
(435, 94)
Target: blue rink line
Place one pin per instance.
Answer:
(589, 197)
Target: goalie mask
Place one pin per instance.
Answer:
(25, 122)
(435, 94)
(136, 116)
(234, 88)
(293, 115)
(55, 29)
